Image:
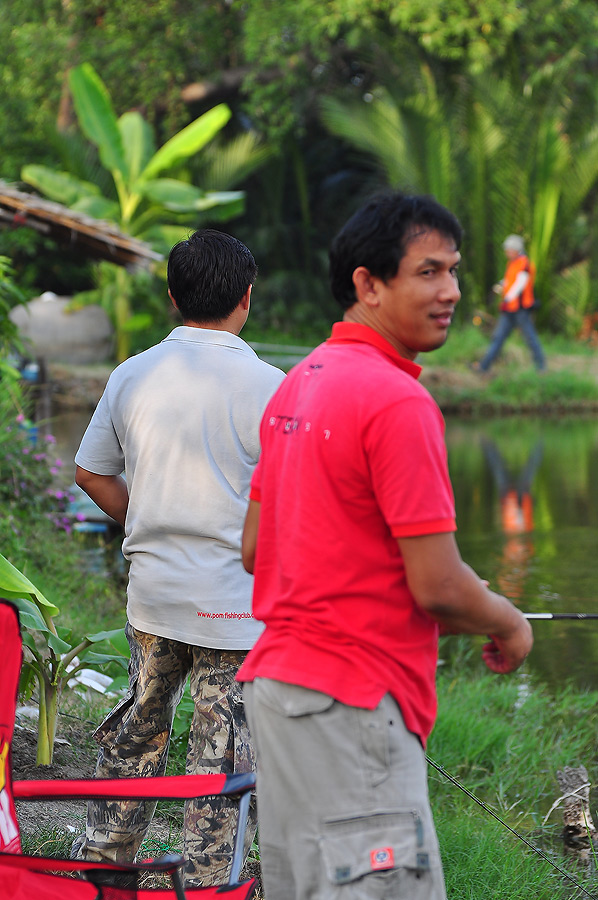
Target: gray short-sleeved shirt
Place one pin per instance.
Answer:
(182, 420)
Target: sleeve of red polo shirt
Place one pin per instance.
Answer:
(407, 457)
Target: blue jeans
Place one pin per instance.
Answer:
(507, 322)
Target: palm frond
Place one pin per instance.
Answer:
(226, 165)
(379, 130)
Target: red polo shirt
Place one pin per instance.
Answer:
(353, 456)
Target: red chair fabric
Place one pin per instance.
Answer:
(25, 877)
(12, 658)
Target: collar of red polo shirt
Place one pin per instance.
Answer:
(355, 333)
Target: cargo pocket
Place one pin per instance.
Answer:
(376, 843)
(290, 699)
(106, 732)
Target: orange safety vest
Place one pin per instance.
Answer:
(517, 513)
(526, 299)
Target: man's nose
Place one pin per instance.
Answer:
(451, 292)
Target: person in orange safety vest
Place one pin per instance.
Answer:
(517, 292)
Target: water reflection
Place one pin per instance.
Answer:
(526, 492)
(516, 503)
(67, 428)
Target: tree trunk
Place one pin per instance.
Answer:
(579, 832)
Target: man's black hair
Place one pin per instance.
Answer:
(208, 274)
(377, 235)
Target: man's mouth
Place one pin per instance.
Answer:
(444, 318)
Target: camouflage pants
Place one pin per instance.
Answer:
(134, 741)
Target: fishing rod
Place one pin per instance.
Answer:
(561, 615)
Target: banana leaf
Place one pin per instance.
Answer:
(97, 118)
(178, 196)
(59, 186)
(138, 142)
(14, 586)
(99, 208)
(188, 141)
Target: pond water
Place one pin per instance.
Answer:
(526, 494)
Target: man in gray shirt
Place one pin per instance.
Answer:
(182, 421)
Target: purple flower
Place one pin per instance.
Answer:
(58, 462)
(26, 450)
(20, 418)
(59, 495)
(50, 439)
(80, 517)
(38, 457)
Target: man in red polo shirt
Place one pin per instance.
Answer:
(350, 534)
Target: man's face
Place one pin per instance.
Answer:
(416, 306)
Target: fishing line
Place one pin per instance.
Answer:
(508, 827)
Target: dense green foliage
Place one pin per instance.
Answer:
(10, 296)
(491, 106)
(146, 200)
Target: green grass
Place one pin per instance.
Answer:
(512, 385)
(55, 841)
(464, 344)
(505, 747)
(484, 862)
(518, 390)
(90, 597)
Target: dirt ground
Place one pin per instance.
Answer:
(49, 827)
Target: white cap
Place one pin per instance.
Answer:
(514, 242)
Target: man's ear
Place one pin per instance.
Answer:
(174, 303)
(366, 286)
(244, 301)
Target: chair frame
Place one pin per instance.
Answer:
(175, 787)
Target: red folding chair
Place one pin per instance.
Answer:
(46, 878)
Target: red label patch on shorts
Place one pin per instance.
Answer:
(382, 858)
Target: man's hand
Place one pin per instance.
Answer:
(502, 656)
